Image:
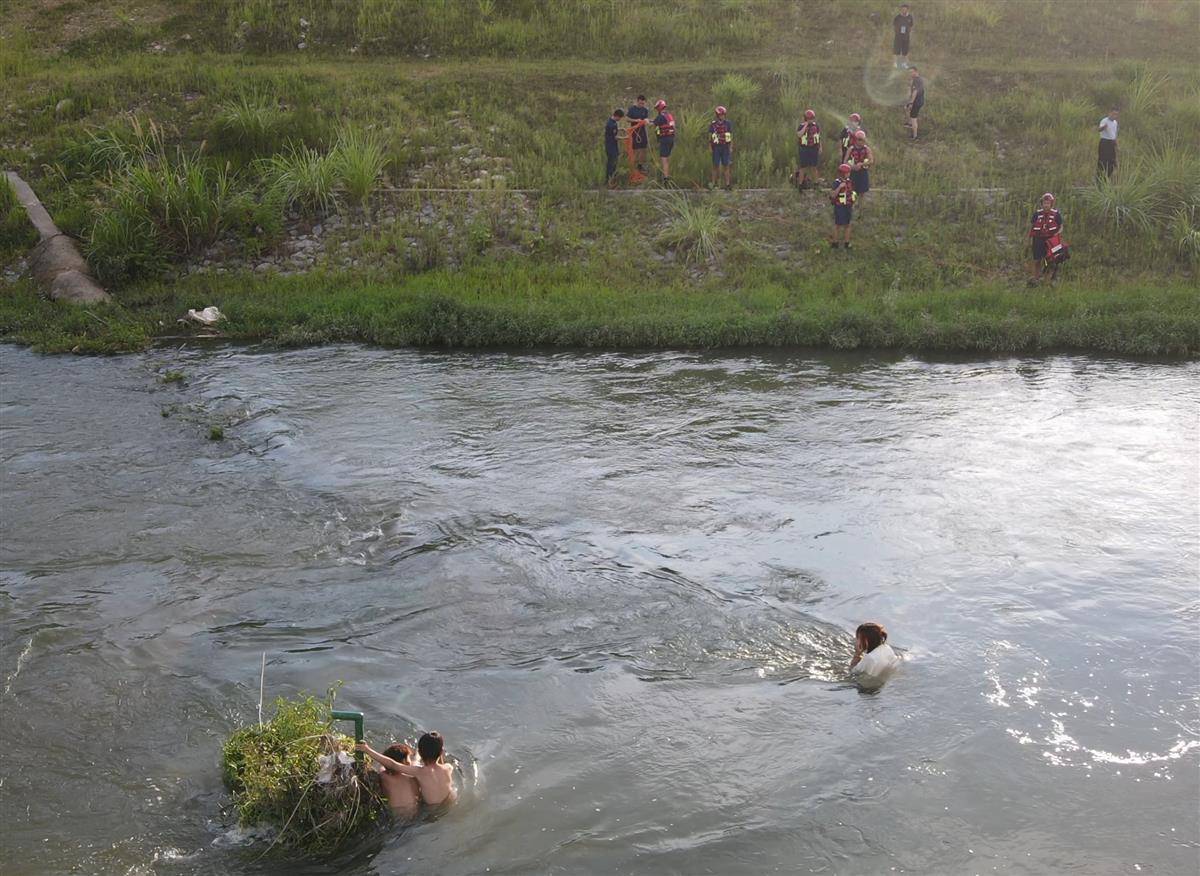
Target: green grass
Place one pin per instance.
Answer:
(517, 305)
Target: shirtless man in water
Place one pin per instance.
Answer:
(434, 776)
(403, 794)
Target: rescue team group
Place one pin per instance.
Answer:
(853, 175)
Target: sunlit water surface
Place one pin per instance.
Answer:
(623, 587)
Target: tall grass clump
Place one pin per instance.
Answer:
(272, 769)
(115, 147)
(250, 123)
(1144, 93)
(1184, 235)
(693, 228)
(304, 177)
(734, 90)
(123, 245)
(167, 204)
(1125, 202)
(359, 160)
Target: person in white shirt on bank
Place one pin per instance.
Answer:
(874, 660)
(1108, 145)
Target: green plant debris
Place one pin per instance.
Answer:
(173, 377)
(216, 433)
(271, 770)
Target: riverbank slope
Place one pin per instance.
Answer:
(435, 182)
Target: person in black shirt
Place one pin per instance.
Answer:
(641, 137)
(902, 24)
(612, 131)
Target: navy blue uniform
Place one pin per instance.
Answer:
(641, 137)
(611, 150)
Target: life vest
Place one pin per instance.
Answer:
(667, 130)
(720, 132)
(1046, 223)
(847, 136)
(809, 134)
(844, 195)
(859, 155)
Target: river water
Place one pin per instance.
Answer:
(623, 586)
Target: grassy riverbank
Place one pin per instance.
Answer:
(405, 164)
(514, 305)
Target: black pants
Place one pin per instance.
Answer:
(612, 166)
(1108, 158)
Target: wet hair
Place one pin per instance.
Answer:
(641, 97)
(400, 752)
(874, 634)
(430, 746)
(619, 113)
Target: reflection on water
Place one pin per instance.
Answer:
(623, 587)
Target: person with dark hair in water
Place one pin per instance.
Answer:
(434, 776)
(403, 794)
(874, 660)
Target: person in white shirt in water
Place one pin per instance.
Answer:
(1108, 145)
(874, 660)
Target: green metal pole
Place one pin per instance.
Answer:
(357, 718)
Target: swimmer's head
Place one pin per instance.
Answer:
(400, 752)
(429, 746)
(870, 636)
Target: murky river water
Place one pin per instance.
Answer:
(622, 586)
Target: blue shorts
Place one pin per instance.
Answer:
(842, 214)
(665, 145)
(1039, 248)
(809, 156)
(722, 155)
(861, 180)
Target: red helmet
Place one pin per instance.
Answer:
(843, 169)
(809, 115)
(855, 117)
(662, 104)
(1048, 195)
(860, 135)
(720, 110)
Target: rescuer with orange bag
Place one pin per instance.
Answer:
(664, 125)
(808, 137)
(720, 136)
(842, 197)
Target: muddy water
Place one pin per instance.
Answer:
(622, 586)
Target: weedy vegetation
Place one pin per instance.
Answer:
(271, 771)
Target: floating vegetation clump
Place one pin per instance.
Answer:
(295, 774)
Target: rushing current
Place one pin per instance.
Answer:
(623, 586)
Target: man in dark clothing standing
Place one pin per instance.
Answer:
(612, 131)
(902, 25)
(916, 100)
(641, 137)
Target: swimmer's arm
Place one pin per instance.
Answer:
(386, 762)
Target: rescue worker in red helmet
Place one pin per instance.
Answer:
(860, 157)
(847, 136)
(720, 138)
(808, 138)
(842, 197)
(1046, 231)
(664, 127)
